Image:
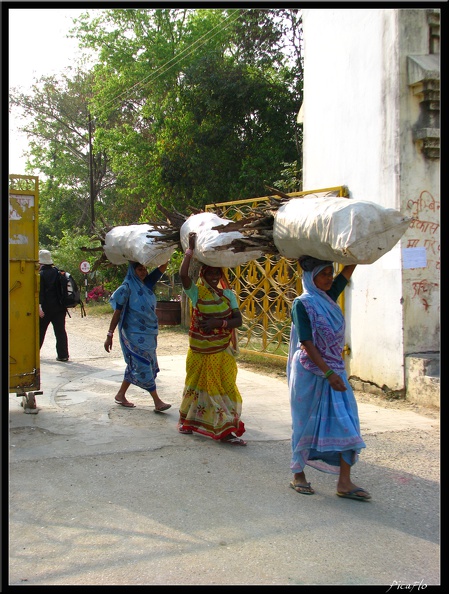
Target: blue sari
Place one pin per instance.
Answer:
(138, 327)
(325, 422)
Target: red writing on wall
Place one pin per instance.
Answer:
(425, 202)
(425, 227)
(425, 231)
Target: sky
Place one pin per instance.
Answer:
(46, 52)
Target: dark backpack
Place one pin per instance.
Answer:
(68, 292)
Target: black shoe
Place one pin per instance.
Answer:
(62, 359)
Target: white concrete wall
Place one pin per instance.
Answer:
(420, 197)
(353, 136)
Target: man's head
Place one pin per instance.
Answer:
(45, 257)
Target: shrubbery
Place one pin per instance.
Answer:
(99, 294)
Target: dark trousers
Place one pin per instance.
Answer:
(58, 321)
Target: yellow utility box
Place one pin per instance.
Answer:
(24, 348)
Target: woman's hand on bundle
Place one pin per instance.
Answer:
(192, 240)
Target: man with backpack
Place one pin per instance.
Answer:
(51, 311)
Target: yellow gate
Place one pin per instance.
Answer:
(24, 351)
(266, 287)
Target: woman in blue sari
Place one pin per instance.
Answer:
(325, 423)
(134, 306)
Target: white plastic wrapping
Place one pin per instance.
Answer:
(207, 241)
(337, 229)
(136, 243)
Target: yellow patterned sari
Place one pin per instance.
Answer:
(211, 402)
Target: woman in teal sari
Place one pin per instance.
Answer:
(326, 429)
(134, 304)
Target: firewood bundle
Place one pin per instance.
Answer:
(337, 229)
(139, 243)
(329, 228)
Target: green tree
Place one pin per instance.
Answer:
(229, 136)
(193, 106)
(185, 107)
(57, 121)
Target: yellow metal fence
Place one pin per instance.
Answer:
(266, 287)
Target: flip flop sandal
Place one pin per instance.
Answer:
(184, 430)
(162, 408)
(353, 494)
(234, 441)
(125, 404)
(303, 489)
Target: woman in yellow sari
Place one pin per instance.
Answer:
(211, 402)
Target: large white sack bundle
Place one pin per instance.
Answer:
(137, 243)
(211, 246)
(337, 229)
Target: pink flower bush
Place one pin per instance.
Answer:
(98, 294)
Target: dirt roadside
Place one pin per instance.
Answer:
(174, 340)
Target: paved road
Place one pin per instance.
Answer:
(103, 495)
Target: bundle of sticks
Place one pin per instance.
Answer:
(324, 226)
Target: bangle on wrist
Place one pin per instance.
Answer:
(111, 334)
(328, 373)
(189, 252)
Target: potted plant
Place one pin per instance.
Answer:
(169, 291)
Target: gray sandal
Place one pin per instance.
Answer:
(304, 489)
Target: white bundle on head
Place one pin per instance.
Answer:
(337, 229)
(137, 243)
(210, 245)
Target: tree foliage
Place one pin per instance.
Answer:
(187, 107)
(57, 124)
